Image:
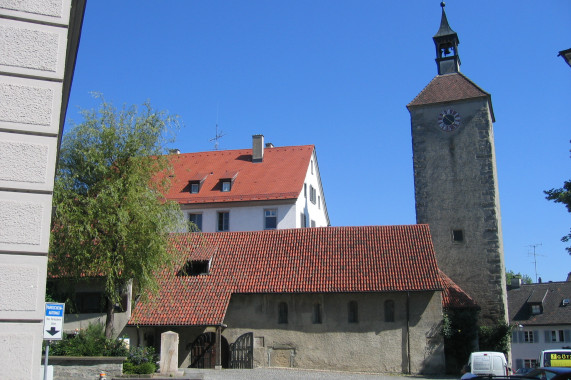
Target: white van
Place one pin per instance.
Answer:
(488, 363)
(555, 358)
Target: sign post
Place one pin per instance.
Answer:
(53, 328)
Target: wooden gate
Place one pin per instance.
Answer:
(203, 351)
(242, 352)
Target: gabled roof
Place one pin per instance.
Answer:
(448, 88)
(550, 295)
(279, 176)
(453, 297)
(304, 260)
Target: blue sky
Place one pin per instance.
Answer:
(338, 74)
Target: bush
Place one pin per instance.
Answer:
(88, 342)
(140, 360)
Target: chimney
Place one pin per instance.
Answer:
(257, 148)
(569, 277)
(516, 282)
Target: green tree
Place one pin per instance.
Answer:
(111, 220)
(562, 195)
(524, 278)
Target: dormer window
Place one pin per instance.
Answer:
(535, 309)
(195, 183)
(195, 268)
(227, 180)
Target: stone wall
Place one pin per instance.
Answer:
(370, 345)
(88, 368)
(37, 56)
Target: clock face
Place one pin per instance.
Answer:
(448, 120)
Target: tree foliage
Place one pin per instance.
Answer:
(562, 195)
(526, 279)
(111, 220)
(495, 337)
(460, 331)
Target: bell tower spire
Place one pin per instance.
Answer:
(446, 42)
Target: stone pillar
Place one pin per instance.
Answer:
(218, 348)
(169, 354)
(37, 58)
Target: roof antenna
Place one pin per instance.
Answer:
(218, 135)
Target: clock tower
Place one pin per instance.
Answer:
(455, 178)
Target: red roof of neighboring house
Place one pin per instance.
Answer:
(279, 176)
(303, 260)
(453, 296)
(450, 87)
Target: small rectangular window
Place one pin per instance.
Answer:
(226, 186)
(196, 222)
(528, 336)
(223, 221)
(535, 309)
(303, 220)
(282, 312)
(311, 164)
(457, 235)
(194, 187)
(305, 190)
(353, 312)
(317, 314)
(530, 363)
(270, 219)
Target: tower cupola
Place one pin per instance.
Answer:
(446, 42)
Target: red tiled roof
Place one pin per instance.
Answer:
(303, 260)
(453, 296)
(450, 87)
(279, 176)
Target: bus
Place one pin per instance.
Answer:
(555, 358)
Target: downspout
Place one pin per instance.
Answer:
(408, 329)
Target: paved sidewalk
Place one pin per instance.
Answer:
(295, 374)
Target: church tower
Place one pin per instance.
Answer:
(455, 178)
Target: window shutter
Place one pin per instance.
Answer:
(521, 337)
(519, 363)
(535, 336)
(547, 336)
(567, 335)
(514, 336)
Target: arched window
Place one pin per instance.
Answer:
(317, 313)
(353, 312)
(389, 311)
(282, 312)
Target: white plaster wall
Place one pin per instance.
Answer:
(533, 350)
(27, 162)
(20, 349)
(245, 218)
(50, 11)
(30, 105)
(318, 211)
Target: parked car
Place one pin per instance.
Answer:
(523, 371)
(548, 373)
(488, 363)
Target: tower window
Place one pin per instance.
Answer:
(457, 236)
